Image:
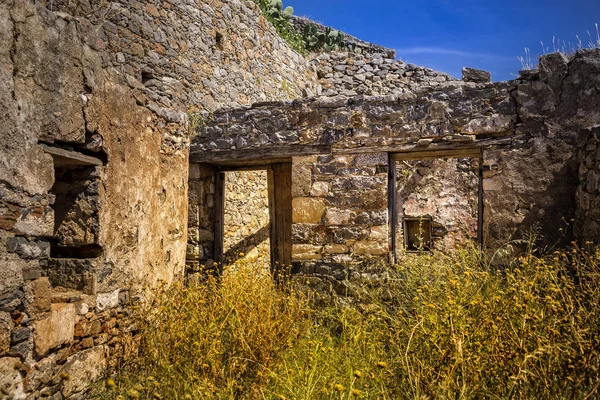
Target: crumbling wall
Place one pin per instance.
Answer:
(527, 131)
(76, 238)
(246, 218)
(373, 74)
(111, 89)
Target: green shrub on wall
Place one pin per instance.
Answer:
(280, 18)
(312, 39)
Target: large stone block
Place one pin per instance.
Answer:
(83, 368)
(29, 249)
(334, 216)
(36, 221)
(79, 274)
(320, 189)
(306, 210)
(304, 252)
(39, 296)
(489, 125)
(56, 329)
(301, 180)
(11, 267)
(370, 248)
(475, 75)
(379, 232)
(335, 249)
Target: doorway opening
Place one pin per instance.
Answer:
(246, 220)
(253, 216)
(435, 200)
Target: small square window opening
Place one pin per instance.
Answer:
(417, 234)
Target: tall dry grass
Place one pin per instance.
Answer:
(591, 42)
(440, 327)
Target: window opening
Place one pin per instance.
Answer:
(435, 200)
(417, 234)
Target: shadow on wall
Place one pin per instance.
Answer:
(555, 217)
(246, 245)
(543, 206)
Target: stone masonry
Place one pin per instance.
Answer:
(246, 222)
(525, 175)
(377, 74)
(117, 117)
(97, 101)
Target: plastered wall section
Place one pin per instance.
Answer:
(121, 85)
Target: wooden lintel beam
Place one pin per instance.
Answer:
(414, 147)
(264, 155)
(64, 158)
(436, 154)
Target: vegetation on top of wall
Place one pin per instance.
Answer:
(316, 40)
(456, 326)
(561, 46)
(280, 18)
(312, 39)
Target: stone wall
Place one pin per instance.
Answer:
(81, 219)
(340, 214)
(365, 48)
(97, 101)
(525, 130)
(183, 56)
(201, 217)
(588, 192)
(246, 219)
(373, 74)
(99, 210)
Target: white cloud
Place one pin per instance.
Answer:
(447, 52)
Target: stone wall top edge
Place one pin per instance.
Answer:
(341, 101)
(366, 47)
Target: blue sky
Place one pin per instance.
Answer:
(446, 35)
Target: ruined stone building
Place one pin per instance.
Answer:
(142, 141)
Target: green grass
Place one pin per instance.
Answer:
(440, 327)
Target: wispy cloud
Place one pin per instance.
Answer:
(448, 52)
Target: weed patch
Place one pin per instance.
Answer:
(440, 327)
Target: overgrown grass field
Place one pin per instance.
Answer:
(459, 326)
